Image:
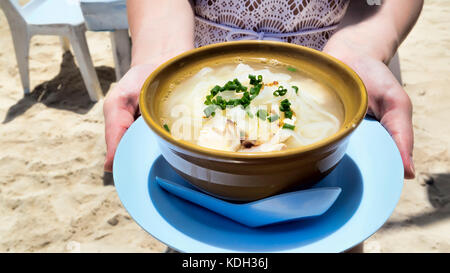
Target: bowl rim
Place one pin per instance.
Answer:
(342, 133)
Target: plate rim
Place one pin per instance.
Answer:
(167, 234)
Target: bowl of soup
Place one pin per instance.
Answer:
(246, 120)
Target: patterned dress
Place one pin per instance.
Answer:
(304, 22)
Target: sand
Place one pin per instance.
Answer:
(55, 197)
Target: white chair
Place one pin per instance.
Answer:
(51, 17)
(111, 16)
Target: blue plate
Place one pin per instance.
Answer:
(370, 175)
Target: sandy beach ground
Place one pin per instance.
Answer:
(55, 197)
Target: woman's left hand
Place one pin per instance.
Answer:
(388, 102)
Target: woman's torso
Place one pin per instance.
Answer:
(223, 20)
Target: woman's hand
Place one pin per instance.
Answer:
(367, 45)
(121, 108)
(155, 39)
(388, 102)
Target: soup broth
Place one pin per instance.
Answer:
(251, 107)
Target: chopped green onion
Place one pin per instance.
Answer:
(245, 100)
(288, 126)
(288, 114)
(255, 90)
(281, 91)
(254, 80)
(273, 118)
(210, 111)
(219, 101)
(234, 102)
(234, 85)
(285, 106)
(296, 89)
(215, 90)
(166, 127)
(262, 114)
(292, 69)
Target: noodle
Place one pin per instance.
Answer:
(288, 110)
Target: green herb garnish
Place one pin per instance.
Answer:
(273, 118)
(281, 91)
(296, 89)
(210, 111)
(255, 80)
(216, 89)
(288, 126)
(245, 100)
(285, 106)
(234, 85)
(292, 69)
(288, 114)
(166, 127)
(262, 114)
(234, 102)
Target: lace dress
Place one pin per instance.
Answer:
(304, 22)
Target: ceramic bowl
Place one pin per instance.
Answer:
(251, 176)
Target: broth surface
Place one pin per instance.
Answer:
(289, 110)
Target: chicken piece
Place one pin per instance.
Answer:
(220, 134)
(280, 136)
(274, 144)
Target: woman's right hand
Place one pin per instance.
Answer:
(121, 108)
(155, 39)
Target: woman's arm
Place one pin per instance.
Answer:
(367, 46)
(159, 30)
(381, 30)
